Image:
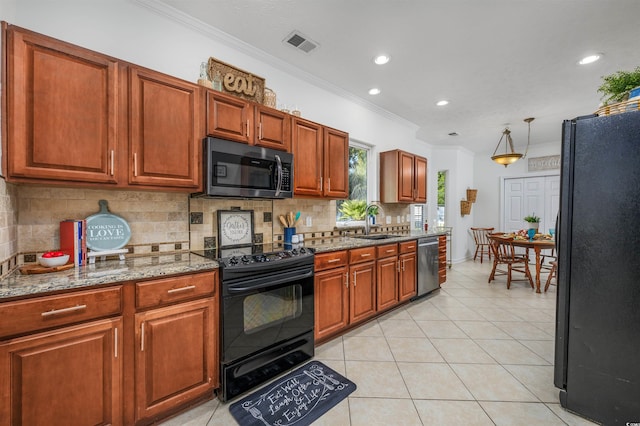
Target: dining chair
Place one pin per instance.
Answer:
(481, 237)
(504, 254)
(552, 273)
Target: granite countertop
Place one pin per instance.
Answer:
(16, 285)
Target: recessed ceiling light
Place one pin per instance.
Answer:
(381, 59)
(442, 103)
(589, 59)
(374, 91)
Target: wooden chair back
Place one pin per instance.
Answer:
(481, 237)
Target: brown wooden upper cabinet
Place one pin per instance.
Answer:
(165, 135)
(77, 117)
(236, 119)
(62, 111)
(320, 156)
(403, 177)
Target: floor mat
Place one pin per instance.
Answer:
(298, 398)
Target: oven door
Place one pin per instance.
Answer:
(263, 311)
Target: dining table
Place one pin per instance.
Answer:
(537, 245)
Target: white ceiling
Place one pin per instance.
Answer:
(496, 61)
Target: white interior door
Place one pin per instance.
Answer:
(538, 195)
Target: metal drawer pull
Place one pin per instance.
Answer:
(177, 290)
(112, 169)
(63, 310)
(390, 251)
(346, 279)
(115, 342)
(333, 260)
(365, 255)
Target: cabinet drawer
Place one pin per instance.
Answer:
(53, 311)
(361, 255)
(169, 290)
(330, 260)
(387, 250)
(408, 246)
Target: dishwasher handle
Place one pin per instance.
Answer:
(427, 243)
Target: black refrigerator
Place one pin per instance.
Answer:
(597, 348)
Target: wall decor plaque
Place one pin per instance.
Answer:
(235, 228)
(236, 81)
(550, 162)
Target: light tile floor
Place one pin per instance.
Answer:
(472, 353)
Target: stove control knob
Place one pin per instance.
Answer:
(245, 259)
(294, 252)
(261, 258)
(303, 250)
(233, 261)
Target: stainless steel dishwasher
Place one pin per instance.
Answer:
(427, 265)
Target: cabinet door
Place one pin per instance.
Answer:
(387, 285)
(442, 259)
(336, 164)
(406, 188)
(165, 131)
(69, 376)
(420, 179)
(176, 356)
(272, 129)
(62, 109)
(408, 277)
(362, 291)
(229, 117)
(331, 302)
(307, 157)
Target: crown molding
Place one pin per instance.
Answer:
(197, 25)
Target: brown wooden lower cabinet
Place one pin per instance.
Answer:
(331, 302)
(175, 353)
(442, 259)
(362, 291)
(408, 272)
(69, 376)
(352, 286)
(131, 353)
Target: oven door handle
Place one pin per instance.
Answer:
(266, 281)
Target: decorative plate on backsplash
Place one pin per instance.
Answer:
(107, 231)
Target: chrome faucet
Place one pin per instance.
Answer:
(366, 217)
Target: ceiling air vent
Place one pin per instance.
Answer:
(301, 42)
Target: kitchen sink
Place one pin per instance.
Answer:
(375, 236)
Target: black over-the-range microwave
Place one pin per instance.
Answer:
(233, 169)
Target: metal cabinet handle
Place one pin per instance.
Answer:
(111, 161)
(247, 128)
(365, 255)
(135, 164)
(115, 342)
(63, 310)
(346, 279)
(333, 260)
(142, 337)
(260, 129)
(320, 183)
(398, 266)
(403, 265)
(354, 278)
(390, 251)
(177, 290)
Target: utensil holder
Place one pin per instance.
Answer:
(288, 234)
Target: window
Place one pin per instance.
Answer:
(418, 216)
(353, 208)
(442, 186)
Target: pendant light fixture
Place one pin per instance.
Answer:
(510, 156)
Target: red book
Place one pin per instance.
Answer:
(73, 240)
